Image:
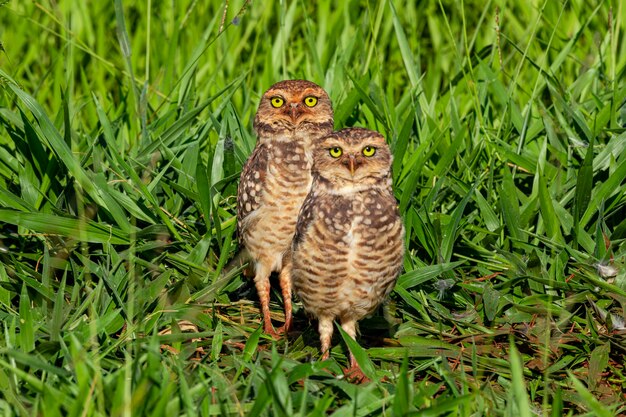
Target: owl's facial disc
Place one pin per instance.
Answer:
(294, 107)
(352, 159)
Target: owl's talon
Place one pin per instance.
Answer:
(282, 331)
(274, 334)
(285, 328)
(269, 330)
(355, 375)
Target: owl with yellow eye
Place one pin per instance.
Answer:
(291, 117)
(349, 244)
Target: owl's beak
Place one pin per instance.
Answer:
(352, 164)
(294, 112)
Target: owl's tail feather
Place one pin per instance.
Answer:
(240, 260)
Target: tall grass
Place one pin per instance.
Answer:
(124, 129)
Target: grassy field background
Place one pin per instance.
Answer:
(124, 129)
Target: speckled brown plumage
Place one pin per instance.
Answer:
(348, 248)
(276, 179)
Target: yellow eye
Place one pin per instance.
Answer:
(336, 152)
(369, 151)
(310, 101)
(277, 102)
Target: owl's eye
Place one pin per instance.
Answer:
(369, 151)
(277, 102)
(335, 152)
(310, 101)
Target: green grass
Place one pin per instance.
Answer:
(124, 129)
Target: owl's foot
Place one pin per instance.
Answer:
(270, 331)
(280, 331)
(284, 329)
(355, 375)
(285, 286)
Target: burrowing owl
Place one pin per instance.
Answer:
(348, 247)
(292, 115)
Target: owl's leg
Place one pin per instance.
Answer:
(262, 284)
(325, 329)
(354, 372)
(285, 285)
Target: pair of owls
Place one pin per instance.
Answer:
(317, 207)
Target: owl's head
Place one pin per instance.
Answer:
(352, 159)
(294, 106)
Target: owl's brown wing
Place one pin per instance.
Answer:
(251, 184)
(305, 218)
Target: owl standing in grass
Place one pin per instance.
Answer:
(292, 116)
(348, 248)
